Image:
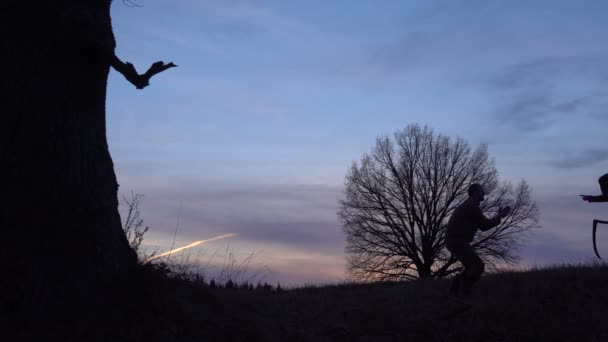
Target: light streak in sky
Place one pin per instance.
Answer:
(195, 243)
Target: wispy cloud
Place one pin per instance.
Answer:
(565, 235)
(539, 93)
(293, 229)
(546, 248)
(544, 72)
(300, 216)
(532, 112)
(585, 158)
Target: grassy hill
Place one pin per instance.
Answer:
(565, 303)
(568, 303)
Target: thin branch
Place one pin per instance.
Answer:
(139, 81)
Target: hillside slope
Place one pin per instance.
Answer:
(567, 303)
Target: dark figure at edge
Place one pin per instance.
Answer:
(604, 187)
(461, 229)
(598, 198)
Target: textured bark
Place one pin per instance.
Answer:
(59, 219)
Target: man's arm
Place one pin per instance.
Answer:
(484, 223)
(488, 224)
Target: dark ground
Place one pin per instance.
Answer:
(561, 303)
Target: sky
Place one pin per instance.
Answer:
(273, 100)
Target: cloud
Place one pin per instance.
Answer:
(546, 248)
(300, 216)
(543, 72)
(565, 233)
(292, 228)
(532, 112)
(537, 94)
(295, 228)
(584, 159)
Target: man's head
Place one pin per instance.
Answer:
(476, 192)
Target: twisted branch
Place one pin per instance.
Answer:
(139, 81)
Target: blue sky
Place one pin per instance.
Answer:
(273, 100)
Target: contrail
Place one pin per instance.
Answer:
(195, 243)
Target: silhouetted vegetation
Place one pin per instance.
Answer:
(59, 176)
(560, 303)
(133, 223)
(399, 197)
(79, 278)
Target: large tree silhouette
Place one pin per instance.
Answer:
(399, 197)
(59, 221)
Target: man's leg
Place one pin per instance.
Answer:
(458, 251)
(455, 286)
(474, 268)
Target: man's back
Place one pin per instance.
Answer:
(465, 221)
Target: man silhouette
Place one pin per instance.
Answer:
(461, 229)
(604, 187)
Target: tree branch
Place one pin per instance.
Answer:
(139, 81)
(399, 197)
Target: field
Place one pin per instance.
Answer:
(568, 303)
(560, 303)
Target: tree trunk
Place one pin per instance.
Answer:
(424, 271)
(59, 218)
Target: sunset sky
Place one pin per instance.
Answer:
(272, 101)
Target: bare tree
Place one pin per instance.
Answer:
(399, 197)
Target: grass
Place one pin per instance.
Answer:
(559, 303)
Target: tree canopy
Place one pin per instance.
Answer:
(399, 197)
